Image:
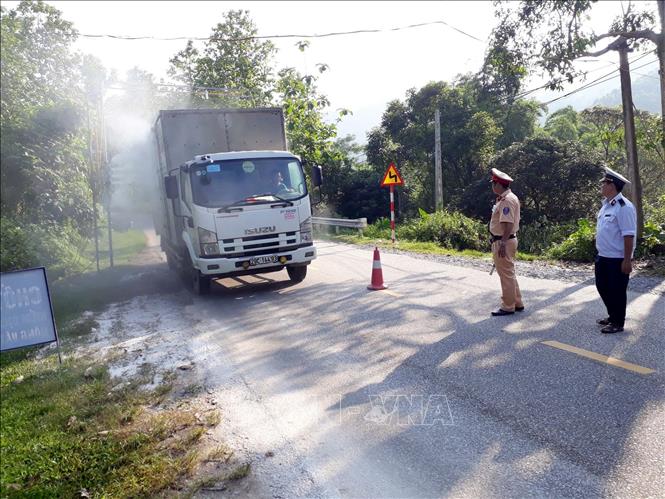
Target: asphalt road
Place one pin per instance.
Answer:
(416, 391)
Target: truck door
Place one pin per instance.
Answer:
(179, 219)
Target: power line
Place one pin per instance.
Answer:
(245, 38)
(530, 91)
(594, 83)
(237, 93)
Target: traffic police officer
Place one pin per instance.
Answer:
(615, 242)
(504, 224)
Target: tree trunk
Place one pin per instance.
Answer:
(629, 134)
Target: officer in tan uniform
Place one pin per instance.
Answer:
(504, 224)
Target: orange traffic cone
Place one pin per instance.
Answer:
(377, 274)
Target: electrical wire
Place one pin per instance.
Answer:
(530, 91)
(245, 38)
(594, 83)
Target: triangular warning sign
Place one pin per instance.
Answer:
(392, 177)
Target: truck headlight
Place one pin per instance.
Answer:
(306, 231)
(208, 242)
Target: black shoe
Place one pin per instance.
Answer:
(603, 322)
(501, 312)
(519, 309)
(611, 328)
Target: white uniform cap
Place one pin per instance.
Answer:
(612, 175)
(498, 175)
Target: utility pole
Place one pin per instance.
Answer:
(629, 135)
(105, 168)
(93, 185)
(438, 173)
(660, 44)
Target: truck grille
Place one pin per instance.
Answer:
(259, 245)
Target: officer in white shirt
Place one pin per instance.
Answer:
(615, 242)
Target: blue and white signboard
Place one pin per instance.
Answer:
(26, 315)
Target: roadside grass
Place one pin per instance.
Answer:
(646, 266)
(67, 432)
(126, 245)
(93, 290)
(431, 248)
(71, 431)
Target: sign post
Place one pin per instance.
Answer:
(392, 178)
(27, 314)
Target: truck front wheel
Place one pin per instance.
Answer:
(297, 274)
(198, 283)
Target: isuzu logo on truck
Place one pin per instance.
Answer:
(260, 230)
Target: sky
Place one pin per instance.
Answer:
(366, 71)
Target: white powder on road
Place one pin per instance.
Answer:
(145, 333)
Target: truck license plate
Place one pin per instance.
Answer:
(260, 260)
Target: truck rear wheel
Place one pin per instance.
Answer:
(170, 261)
(297, 274)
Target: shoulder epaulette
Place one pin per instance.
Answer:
(622, 202)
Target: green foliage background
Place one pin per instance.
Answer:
(50, 93)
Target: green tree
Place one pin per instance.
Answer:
(233, 60)
(469, 136)
(648, 127)
(38, 67)
(601, 128)
(562, 124)
(549, 35)
(555, 181)
(44, 187)
(361, 195)
(42, 146)
(309, 135)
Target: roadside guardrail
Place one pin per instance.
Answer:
(358, 223)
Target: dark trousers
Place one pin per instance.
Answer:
(612, 284)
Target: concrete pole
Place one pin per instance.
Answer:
(107, 178)
(93, 185)
(629, 134)
(438, 172)
(661, 60)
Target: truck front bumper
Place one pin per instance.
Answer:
(248, 265)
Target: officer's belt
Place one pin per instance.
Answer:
(498, 238)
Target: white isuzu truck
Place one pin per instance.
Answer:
(233, 201)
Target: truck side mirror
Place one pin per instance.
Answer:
(317, 176)
(171, 186)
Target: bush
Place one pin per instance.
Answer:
(653, 240)
(655, 212)
(360, 196)
(16, 250)
(538, 237)
(450, 230)
(579, 246)
(380, 229)
(54, 246)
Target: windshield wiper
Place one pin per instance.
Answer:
(278, 198)
(240, 202)
(252, 200)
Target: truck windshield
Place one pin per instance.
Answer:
(252, 180)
